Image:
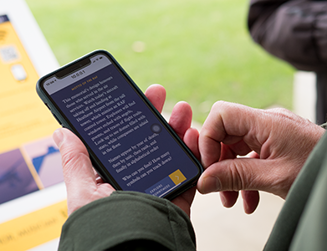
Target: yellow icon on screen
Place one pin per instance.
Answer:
(177, 177)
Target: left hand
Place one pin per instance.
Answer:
(83, 184)
(279, 143)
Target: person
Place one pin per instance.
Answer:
(295, 31)
(285, 156)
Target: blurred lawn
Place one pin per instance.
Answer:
(199, 50)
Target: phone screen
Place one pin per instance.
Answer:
(119, 128)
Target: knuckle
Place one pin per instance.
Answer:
(279, 110)
(282, 114)
(237, 179)
(219, 104)
(71, 159)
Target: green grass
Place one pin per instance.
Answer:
(200, 51)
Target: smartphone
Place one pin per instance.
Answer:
(130, 144)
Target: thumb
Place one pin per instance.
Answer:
(239, 174)
(77, 166)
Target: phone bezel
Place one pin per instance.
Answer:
(69, 69)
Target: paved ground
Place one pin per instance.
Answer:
(218, 228)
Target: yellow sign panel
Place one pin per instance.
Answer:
(29, 160)
(33, 229)
(177, 177)
(23, 117)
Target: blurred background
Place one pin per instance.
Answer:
(200, 51)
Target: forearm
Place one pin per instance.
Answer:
(126, 217)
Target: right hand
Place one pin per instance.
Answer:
(278, 141)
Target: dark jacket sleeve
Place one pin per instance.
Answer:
(128, 221)
(295, 31)
(301, 224)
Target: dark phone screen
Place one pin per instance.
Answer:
(126, 136)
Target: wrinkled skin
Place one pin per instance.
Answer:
(276, 142)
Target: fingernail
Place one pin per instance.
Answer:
(58, 137)
(211, 184)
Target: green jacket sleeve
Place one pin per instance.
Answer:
(128, 217)
(301, 224)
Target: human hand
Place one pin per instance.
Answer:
(84, 185)
(278, 141)
(180, 120)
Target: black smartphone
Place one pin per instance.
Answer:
(130, 144)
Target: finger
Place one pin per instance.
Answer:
(250, 201)
(157, 95)
(98, 179)
(77, 167)
(191, 138)
(181, 118)
(228, 198)
(253, 155)
(244, 174)
(184, 201)
(232, 151)
(229, 123)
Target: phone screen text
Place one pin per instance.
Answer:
(126, 136)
